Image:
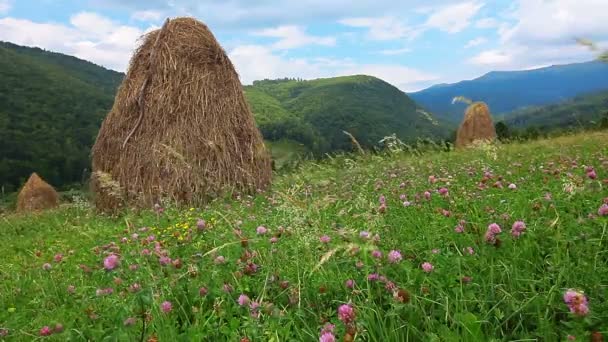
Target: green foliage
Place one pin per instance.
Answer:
(502, 130)
(51, 106)
(580, 112)
(364, 106)
(514, 290)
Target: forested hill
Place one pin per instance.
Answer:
(51, 107)
(315, 113)
(506, 91)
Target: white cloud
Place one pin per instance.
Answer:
(254, 62)
(454, 18)
(293, 36)
(5, 6)
(475, 42)
(393, 52)
(89, 36)
(543, 33)
(382, 28)
(147, 16)
(486, 23)
(492, 57)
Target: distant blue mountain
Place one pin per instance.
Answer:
(506, 91)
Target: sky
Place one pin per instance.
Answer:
(411, 44)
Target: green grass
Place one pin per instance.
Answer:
(515, 293)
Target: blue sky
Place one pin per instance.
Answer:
(410, 43)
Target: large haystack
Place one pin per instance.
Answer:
(180, 127)
(477, 125)
(36, 195)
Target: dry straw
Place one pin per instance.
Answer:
(180, 127)
(476, 126)
(36, 195)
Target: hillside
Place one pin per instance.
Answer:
(365, 106)
(510, 90)
(51, 106)
(580, 111)
(391, 247)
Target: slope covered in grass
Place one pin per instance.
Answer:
(367, 107)
(361, 232)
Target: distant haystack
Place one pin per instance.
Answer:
(476, 126)
(180, 127)
(36, 195)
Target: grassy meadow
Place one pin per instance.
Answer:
(499, 243)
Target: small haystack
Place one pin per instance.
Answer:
(36, 195)
(180, 128)
(477, 125)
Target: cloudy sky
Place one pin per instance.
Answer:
(409, 43)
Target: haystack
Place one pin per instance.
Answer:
(180, 128)
(477, 125)
(36, 195)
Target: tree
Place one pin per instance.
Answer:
(502, 130)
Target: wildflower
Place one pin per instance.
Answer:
(443, 191)
(129, 321)
(466, 279)
(571, 338)
(346, 313)
(261, 230)
(376, 254)
(201, 224)
(111, 262)
(124, 240)
(390, 286)
(46, 266)
(349, 283)
(364, 234)
(203, 291)
(45, 331)
(490, 236)
(327, 336)
(427, 195)
(135, 287)
(133, 267)
(373, 277)
(145, 252)
(591, 174)
(71, 289)
(427, 267)
(470, 250)
(227, 288)
(177, 263)
(359, 264)
(512, 186)
(394, 256)
(577, 302)
(494, 228)
(164, 260)
(603, 210)
(518, 228)
(274, 239)
(58, 328)
(435, 251)
(166, 306)
(458, 229)
(446, 213)
(3, 332)
(403, 197)
(432, 179)
(407, 203)
(134, 236)
(103, 292)
(58, 257)
(382, 208)
(382, 199)
(243, 300)
(325, 239)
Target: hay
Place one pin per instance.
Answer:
(180, 128)
(476, 126)
(36, 195)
